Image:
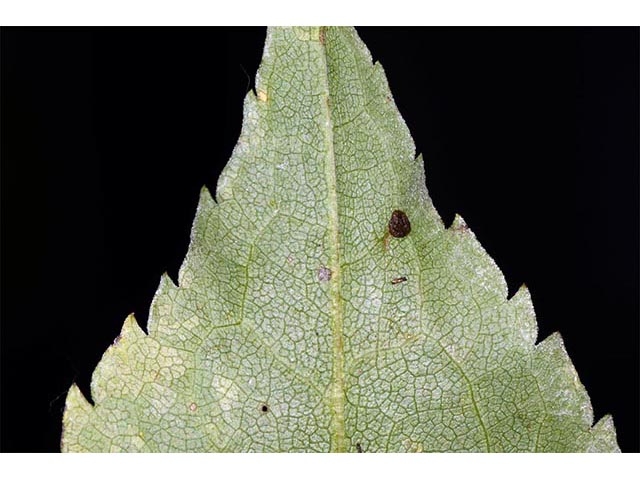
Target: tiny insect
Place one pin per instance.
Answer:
(359, 447)
(264, 408)
(398, 280)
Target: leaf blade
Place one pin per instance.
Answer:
(287, 331)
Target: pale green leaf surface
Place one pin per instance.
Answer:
(286, 300)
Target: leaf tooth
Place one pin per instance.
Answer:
(419, 191)
(525, 315)
(76, 399)
(603, 436)
(131, 329)
(113, 359)
(459, 225)
(205, 201)
(166, 282)
(77, 407)
(161, 303)
(487, 272)
(206, 205)
(560, 382)
(76, 414)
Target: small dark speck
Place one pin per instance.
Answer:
(398, 280)
(359, 447)
(264, 408)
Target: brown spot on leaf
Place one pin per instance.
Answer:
(399, 224)
(264, 408)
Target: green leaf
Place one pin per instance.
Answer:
(303, 322)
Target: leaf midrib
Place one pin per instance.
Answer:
(337, 392)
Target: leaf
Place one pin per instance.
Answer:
(305, 320)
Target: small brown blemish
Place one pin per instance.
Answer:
(359, 447)
(264, 408)
(262, 96)
(193, 407)
(324, 274)
(322, 33)
(398, 280)
(399, 224)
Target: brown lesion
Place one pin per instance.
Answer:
(399, 226)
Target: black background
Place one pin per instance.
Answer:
(108, 134)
